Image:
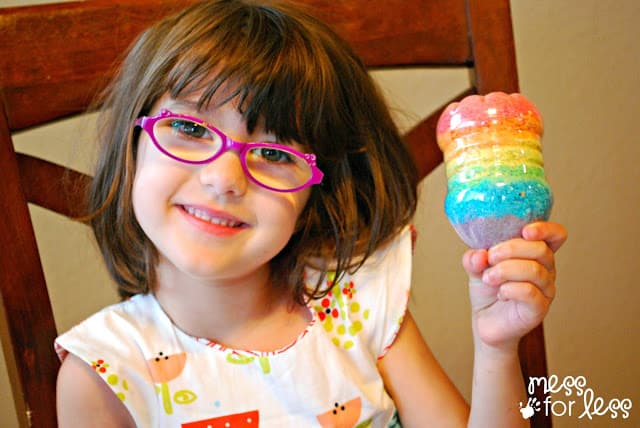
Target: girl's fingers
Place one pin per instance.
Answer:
(534, 304)
(521, 271)
(519, 266)
(523, 250)
(475, 262)
(553, 234)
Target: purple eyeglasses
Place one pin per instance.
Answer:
(191, 140)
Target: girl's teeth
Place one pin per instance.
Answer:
(202, 215)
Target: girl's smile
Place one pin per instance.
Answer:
(212, 221)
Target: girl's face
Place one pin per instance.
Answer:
(210, 221)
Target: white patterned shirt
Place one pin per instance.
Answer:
(327, 377)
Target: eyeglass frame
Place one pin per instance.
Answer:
(147, 123)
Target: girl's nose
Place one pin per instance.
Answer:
(225, 175)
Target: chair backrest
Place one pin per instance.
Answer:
(54, 58)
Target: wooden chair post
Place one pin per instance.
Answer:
(27, 324)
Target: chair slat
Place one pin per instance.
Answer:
(52, 186)
(493, 46)
(421, 139)
(533, 363)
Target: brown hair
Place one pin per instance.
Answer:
(307, 85)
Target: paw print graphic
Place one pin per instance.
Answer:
(533, 406)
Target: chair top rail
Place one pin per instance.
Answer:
(68, 75)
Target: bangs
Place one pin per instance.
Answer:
(275, 69)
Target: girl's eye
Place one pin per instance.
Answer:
(274, 155)
(188, 128)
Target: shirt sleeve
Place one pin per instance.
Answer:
(109, 342)
(366, 308)
(391, 275)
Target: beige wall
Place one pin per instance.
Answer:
(579, 61)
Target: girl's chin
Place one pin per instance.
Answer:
(201, 270)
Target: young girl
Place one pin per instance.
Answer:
(251, 201)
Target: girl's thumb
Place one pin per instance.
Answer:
(475, 262)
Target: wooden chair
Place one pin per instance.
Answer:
(54, 58)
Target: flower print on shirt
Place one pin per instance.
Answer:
(235, 357)
(345, 415)
(118, 385)
(165, 368)
(340, 312)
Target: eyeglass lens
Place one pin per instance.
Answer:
(274, 167)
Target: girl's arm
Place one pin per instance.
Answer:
(422, 392)
(85, 400)
(511, 287)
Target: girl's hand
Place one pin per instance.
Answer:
(512, 284)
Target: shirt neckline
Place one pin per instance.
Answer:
(212, 344)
